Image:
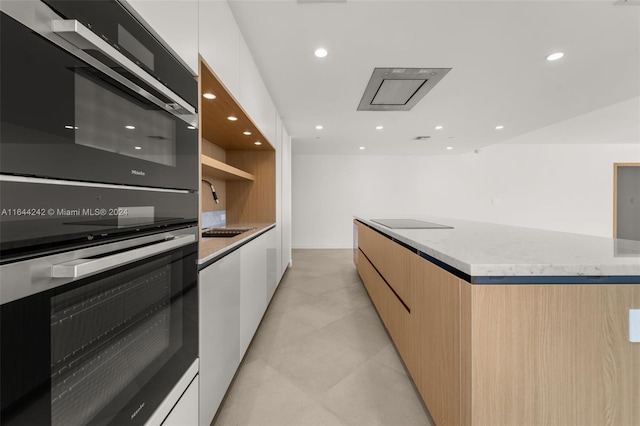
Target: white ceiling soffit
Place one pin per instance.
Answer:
(399, 89)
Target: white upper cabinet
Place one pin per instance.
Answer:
(225, 51)
(254, 97)
(175, 22)
(220, 43)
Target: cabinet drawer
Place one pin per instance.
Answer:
(391, 259)
(393, 313)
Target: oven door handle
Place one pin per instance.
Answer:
(83, 267)
(83, 38)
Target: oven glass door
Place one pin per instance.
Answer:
(112, 22)
(63, 118)
(105, 349)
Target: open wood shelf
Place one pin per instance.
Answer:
(218, 169)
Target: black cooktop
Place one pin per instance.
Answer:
(409, 224)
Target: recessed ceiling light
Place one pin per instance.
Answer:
(247, 133)
(137, 147)
(71, 127)
(190, 127)
(209, 96)
(130, 127)
(499, 127)
(257, 143)
(362, 147)
(555, 56)
(379, 127)
(449, 148)
(232, 118)
(321, 52)
(438, 127)
(319, 127)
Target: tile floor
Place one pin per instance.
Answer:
(321, 356)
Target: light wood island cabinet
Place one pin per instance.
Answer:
(505, 354)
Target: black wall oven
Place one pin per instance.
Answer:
(98, 335)
(74, 106)
(98, 216)
(93, 146)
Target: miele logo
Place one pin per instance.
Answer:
(137, 172)
(135, 413)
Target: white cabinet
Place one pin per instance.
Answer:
(185, 412)
(285, 203)
(234, 292)
(219, 315)
(253, 288)
(219, 43)
(254, 97)
(273, 278)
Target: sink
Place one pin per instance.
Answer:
(224, 232)
(409, 224)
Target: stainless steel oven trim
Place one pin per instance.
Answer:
(80, 268)
(28, 277)
(83, 38)
(42, 181)
(38, 17)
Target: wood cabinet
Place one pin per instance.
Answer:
(426, 334)
(506, 354)
(242, 172)
(561, 351)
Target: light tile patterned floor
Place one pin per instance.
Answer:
(321, 356)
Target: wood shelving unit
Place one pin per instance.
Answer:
(218, 169)
(235, 157)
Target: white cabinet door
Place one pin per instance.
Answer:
(272, 262)
(219, 314)
(185, 412)
(253, 288)
(285, 224)
(219, 43)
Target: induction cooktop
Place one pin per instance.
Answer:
(409, 224)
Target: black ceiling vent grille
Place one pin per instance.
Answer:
(399, 89)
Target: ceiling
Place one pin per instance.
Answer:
(499, 75)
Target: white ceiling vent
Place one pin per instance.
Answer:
(399, 89)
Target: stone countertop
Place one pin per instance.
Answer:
(480, 249)
(211, 248)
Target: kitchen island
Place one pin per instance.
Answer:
(501, 325)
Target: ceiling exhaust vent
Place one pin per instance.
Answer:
(399, 89)
(421, 138)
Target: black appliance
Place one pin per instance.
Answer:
(98, 335)
(93, 147)
(98, 216)
(74, 106)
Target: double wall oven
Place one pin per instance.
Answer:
(98, 215)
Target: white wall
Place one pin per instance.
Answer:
(558, 187)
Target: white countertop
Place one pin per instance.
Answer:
(484, 249)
